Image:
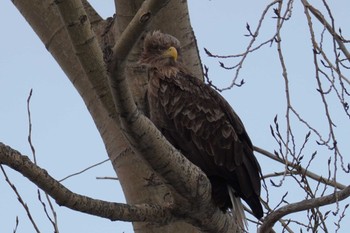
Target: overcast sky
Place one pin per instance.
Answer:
(64, 133)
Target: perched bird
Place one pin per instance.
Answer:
(199, 122)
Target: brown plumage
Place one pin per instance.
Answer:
(199, 122)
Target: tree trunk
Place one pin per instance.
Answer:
(139, 182)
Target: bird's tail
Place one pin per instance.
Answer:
(238, 210)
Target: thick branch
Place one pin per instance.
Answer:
(86, 46)
(272, 218)
(65, 197)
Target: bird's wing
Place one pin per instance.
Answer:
(206, 119)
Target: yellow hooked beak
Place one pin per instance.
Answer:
(171, 52)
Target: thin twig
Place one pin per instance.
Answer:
(54, 221)
(84, 170)
(249, 49)
(19, 198)
(16, 226)
(30, 125)
(107, 178)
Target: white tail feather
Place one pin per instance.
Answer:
(238, 210)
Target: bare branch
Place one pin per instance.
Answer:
(301, 170)
(84, 170)
(289, 133)
(65, 197)
(272, 218)
(107, 178)
(54, 221)
(16, 226)
(30, 125)
(250, 45)
(53, 211)
(19, 198)
(330, 29)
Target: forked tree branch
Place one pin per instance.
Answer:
(65, 197)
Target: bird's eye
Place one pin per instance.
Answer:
(161, 48)
(157, 48)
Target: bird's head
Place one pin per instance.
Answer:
(160, 51)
